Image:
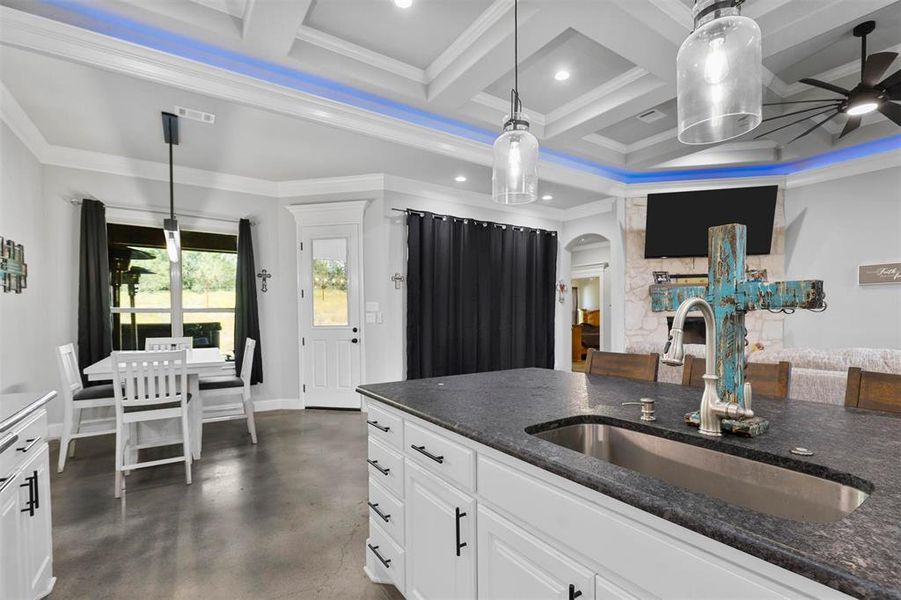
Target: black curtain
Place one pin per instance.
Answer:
(480, 296)
(247, 315)
(95, 329)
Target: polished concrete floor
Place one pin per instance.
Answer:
(286, 518)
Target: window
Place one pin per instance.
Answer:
(330, 282)
(144, 283)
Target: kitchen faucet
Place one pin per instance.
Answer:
(713, 410)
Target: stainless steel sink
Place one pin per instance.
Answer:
(759, 486)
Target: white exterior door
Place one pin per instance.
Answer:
(330, 288)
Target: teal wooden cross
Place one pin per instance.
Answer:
(732, 295)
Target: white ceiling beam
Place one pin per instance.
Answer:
(620, 104)
(337, 45)
(491, 55)
(270, 28)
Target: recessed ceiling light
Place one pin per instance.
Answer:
(403, 3)
(460, 178)
(547, 197)
(561, 75)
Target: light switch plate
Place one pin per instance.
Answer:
(370, 317)
(372, 307)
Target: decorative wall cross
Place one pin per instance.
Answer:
(398, 279)
(732, 295)
(264, 275)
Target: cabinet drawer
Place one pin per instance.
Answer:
(387, 467)
(385, 426)
(440, 455)
(384, 556)
(387, 510)
(22, 442)
(618, 545)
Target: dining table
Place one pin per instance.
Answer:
(200, 362)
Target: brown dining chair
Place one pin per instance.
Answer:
(642, 367)
(873, 391)
(767, 379)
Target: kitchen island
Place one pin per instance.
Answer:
(523, 497)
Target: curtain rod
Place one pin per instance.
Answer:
(410, 211)
(77, 202)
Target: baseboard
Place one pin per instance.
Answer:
(277, 404)
(55, 430)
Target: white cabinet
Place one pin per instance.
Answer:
(514, 565)
(12, 570)
(441, 544)
(26, 547)
(34, 495)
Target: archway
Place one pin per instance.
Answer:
(589, 300)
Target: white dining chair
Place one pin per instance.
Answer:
(158, 344)
(77, 398)
(228, 385)
(149, 386)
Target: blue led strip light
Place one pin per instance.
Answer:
(117, 26)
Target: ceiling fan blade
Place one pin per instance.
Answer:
(799, 102)
(892, 80)
(820, 124)
(894, 93)
(852, 124)
(825, 86)
(798, 112)
(892, 111)
(801, 120)
(876, 66)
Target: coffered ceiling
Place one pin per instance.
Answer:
(452, 59)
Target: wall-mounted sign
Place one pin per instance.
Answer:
(13, 270)
(884, 273)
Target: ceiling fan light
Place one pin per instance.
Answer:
(719, 76)
(862, 108)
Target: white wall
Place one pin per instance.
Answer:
(28, 320)
(831, 228)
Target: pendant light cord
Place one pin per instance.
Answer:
(171, 186)
(515, 103)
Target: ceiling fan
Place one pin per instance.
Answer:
(869, 95)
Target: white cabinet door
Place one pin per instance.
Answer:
(514, 565)
(441, 545)
(12, 581)
(36, 523)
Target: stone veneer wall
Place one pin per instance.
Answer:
(645, 329)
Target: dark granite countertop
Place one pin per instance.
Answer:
(859, 555)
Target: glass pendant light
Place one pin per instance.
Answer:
(514, 176)
(719, 75)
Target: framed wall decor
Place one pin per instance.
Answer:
(879, 274)
(13, 270)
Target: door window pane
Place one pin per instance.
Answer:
(330, 282)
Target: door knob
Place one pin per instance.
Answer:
(354, 340)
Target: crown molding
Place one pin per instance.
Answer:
(76, 44)
(364, 55)
(15, 117)
(605, 142)
(850, 168)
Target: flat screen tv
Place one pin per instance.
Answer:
(677, 222)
